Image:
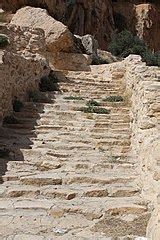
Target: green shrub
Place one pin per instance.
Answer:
(114, 99)
(74, 98)
(93, 103)
(17, 105)
(125, 43)
(10, 120)
(34, 96)
(49, 83)
(3, 41)
(93, 109)
(152, 59)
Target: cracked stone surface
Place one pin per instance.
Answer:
(71, 174)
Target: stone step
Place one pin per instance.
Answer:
(91, 88)
(89, 207)
(73, 105)
(96, 179)
(91, 80)
(94, 94)
(42, 179)
(69, 177)
(68, 193)
(34, 154)
(90, 83)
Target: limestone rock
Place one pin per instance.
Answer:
(90, 44)
(69, 61)
(58, 37)
(81, 17)
(148, 20)
(22, 66)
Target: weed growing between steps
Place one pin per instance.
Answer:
(49, 83)
(93, 103)
(17, 105)
(93, 109)
(114, 99)
(74, 98)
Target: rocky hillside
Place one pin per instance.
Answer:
(101, 17)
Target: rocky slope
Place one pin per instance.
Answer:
(100, 18)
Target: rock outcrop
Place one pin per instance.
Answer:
(147, 24)
(21, 66)
(61, 48)
(58, 37)
(82, 17)
(100, 18)
(141, 18)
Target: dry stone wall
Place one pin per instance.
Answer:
(144, 87)
(21, 66)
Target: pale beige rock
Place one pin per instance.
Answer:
(22, 66)
(56, 212)
(28, 237)
(58, 37)
(69, 61)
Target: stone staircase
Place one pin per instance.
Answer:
(70, 174)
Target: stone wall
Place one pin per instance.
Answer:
(143, 85)
(21, 65)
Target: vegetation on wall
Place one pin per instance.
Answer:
(3, 41)
(125, 43)
(49, 83)
(17, 105)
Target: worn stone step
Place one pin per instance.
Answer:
(91, 88)
(42, 179)
(96, 179)
(90, 81)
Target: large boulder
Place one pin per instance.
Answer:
(90, 44)
(81, 16)
(58, 37)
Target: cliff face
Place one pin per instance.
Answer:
(101, 17)
(148, 23)
(142, 19)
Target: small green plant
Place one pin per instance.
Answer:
(4, 153)
(49, 83)
(10, 120)
(114, 99)
(34, 96)
(93, 103)
(93, 109)
(74, 98)
(17, 105)
(3, 41)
